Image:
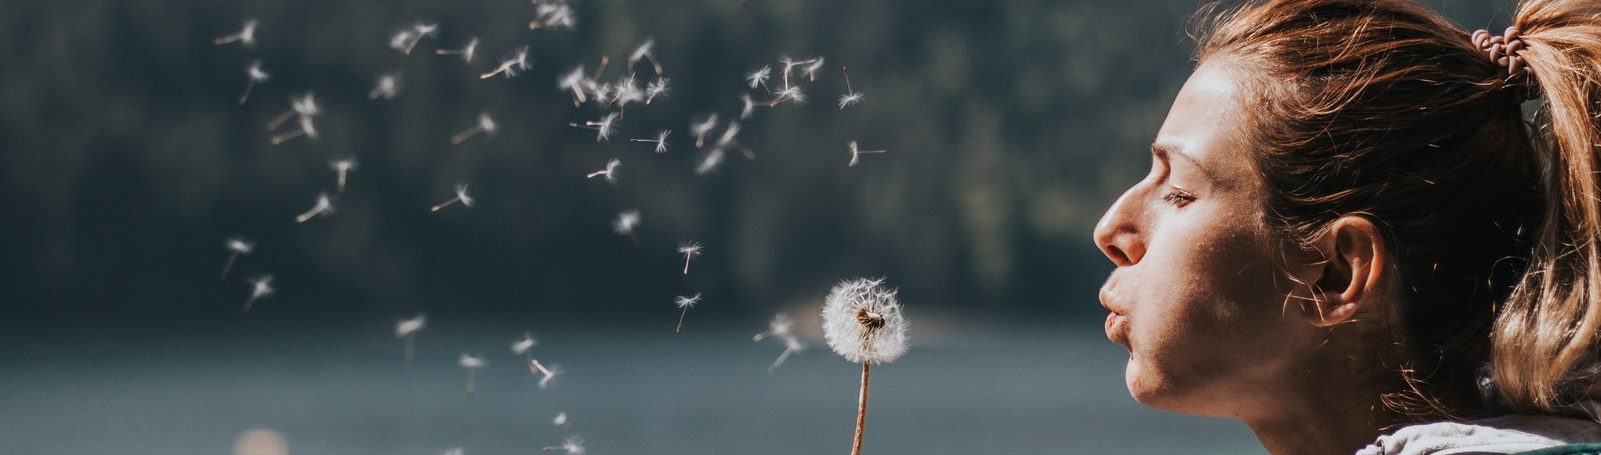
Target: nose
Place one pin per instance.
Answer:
(1119, 233)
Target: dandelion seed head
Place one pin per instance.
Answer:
(759, 76)
(810, 70)
(627, 91)
(661, 140)
(781, 325)
(521, 58)
(686, 301)
(261, 286)
(550, 378)
(748, 106)
(305, 105)
(523, 345)
(408, 327)
(256, 73)
(710, 161)
(486, 123)
(703, 126)
(343, 165)
(461, 195)
(388, 85)
(728, 135)
(240, 245)
(572, 80)
(642, 51)
(690, 249)
(626, 222)
(792, 94)
(561, 418)
(308, 127)
(599, 91)
(849, 99)
(574, 445)
(247, 34)
(656, 88)
(471, 49)
(603, 132)
(793, 343)
(422, 30)
(398, 41)
(862, 322)
(471, 362)
(324, 204)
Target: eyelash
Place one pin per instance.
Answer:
(1178, 197)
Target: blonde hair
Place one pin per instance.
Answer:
(1384, 109)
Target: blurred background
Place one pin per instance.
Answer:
(127, 161)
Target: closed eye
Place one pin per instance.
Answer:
(1178, 197)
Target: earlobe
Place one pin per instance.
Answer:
(1352, 273)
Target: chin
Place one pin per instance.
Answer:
(1153, 390)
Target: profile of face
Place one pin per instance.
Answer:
(1209, 320)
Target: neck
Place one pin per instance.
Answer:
(1330, 406)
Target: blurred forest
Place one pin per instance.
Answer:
(126, 160)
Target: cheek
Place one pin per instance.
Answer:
(1206, 319)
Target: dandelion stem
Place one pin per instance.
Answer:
(445, 204)
(248, 302)
(285, 137)
(279, 120)
(226, 266)
(847, 71)
(342, 180)
(681, 314)
(780, 362)
(861, 410)
(465, 134)
(246, 97)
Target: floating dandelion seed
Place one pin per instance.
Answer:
(782, 328)
(574, 82)
(260, 287)
(552, 14)
(644, 52)
(656, 88)
(810, 70)
(472, 365)
(343, 168)
(407, 330)
(387, 87)
(747, 106)
(561, 419)
(727, 140)
(485, 125)
(660, 140)
(461, 196)
(547, 374)
(792, 345)
(574, 445)
(305, 108)
(510, 65)
(465, 52)
(323, 207)
(851, 96)
(684, 303)
(625, 224)
(862, 322)
(256, 75)
(626, 91)
(237, 246)
(610, 172)
(405, 40)
(689, 250)
(758, 77)
(700, 128)
(788, 94)
(857, 152)
(601, 92)
(245, 37)
(524, 344)
(710, 161)
(603, 127)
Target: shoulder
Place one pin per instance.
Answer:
(1497, 435)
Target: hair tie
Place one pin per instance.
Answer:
(1504, 50)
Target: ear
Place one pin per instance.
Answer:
(1351, 278)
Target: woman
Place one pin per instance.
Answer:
(1352, 239)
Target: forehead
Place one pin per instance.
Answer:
(1205, 122)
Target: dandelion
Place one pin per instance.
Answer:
(857, 152)
(547, 374)
(407, 330)
(574, 82)
(524, 344)
(405, 40)
(472, 365)
(461, 196)
(343, 168)
(256, 75)
(610, 172)
(574, 445)
(851, 96)
(510, 65)
(549, 14)
(699, 128)
(237, 246)
(260, 287)
(626, 91)
(660, 140)
(862, 322)
(748, 106)
(305, 108)
(625, 224)
(656, 88)
(603, 127)
(759, 76)
(689, 250)
(561, 419)
(465, 52)
(485, 125)
(323, 207)
(684, 303)
(788, 94)
(245, 37)
(387, 87)
(644, 52)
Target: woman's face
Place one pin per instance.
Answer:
(1196, 297)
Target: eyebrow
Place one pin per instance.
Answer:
(1165, 150)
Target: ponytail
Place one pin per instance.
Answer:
(1546, 341)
